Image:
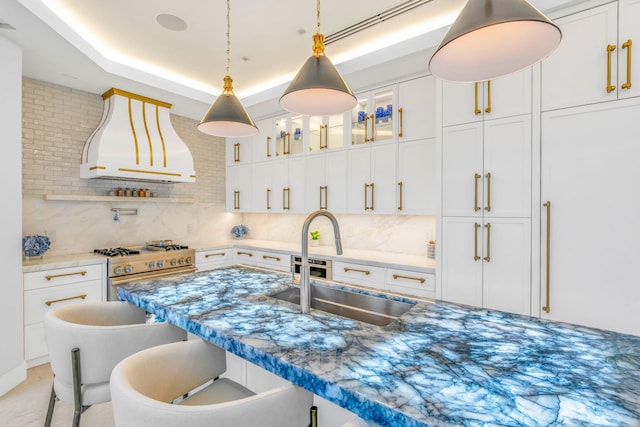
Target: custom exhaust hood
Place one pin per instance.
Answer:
(136, 141)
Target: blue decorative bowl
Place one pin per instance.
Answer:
(239, 231)
(35, 245)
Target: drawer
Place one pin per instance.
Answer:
(274, 261)
(411, 282)
(35, 301)
(35, 342)
(63, 276)
(209, 260)
(359, 274)
(245, 256)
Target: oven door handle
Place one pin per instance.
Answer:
(116, 281)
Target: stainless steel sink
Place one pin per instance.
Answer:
(365, 308)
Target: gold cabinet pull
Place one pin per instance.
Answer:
(323, 189)
(271, 257)
(397, 276)
(627, 45)
(236, 200)
(326, 136)
(373, 128)
(236, 152)
(610, 87)
(286, 199)
(366, 129)
(53, 301)
(488, 109)
(400, 117)
(268, 146)
(268, 199)
(245, 253)
(287, 143)
(82, 273)
(366, 190)
(476, 177)
(547, 306)
(488, 257)
(347, 269)
(216, 254)
(477, 110)
(320, 137)
(400, 194)
(373, 192)
(488, 207)
(475, 241)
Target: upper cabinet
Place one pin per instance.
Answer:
(493, 99)
(373, 117)
(289, 134)
(327, 132)
(416, 109)
(594, 62)
(238, 151)
(263, 143)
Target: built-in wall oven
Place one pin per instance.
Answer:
(319, 268)
(154, 260)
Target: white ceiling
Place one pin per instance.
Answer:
(94, 45)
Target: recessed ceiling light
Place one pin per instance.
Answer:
(301, 31)
(171, 22)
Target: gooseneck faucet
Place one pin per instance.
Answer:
(305, 287)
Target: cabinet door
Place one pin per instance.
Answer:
(576, 72)
(628, 30)
(296, 185)
(281, 197)
(461, 103)
(507, 167)
(336, 181)
(590, 174)
(238, 151)
(462, 170)
(262, 188)
(462, 244)
(506, 265)
(417, 180)
(239, 188)
(359, 160)
(314, 185)
(417, 109)
(384, 179)
(262, 144)
(326, 132)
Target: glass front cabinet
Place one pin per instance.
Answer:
(372, 119)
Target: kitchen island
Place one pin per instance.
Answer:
(439, 364)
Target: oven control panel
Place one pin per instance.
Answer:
(152, 262)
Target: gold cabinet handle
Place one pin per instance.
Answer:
(373, 192)
(627, 45)
(286, 199)
(82, 273)
(236, 200)
(488, 207)
(488, 109)
(216, 254)
(475, 241)
(610, 87)
(236, 152)
(271, 257)
(400, 194)
(245, 253)
(488, 257)
(326, 138)
(83, 296)
(286, 142)
(268, 146)
(366, 129)
(476, 110)
(400, 124)
(268, 199)
(366, 190)
(373, 128)
(397, 276)
(547, 306)
(347, 269)
(476, 177)
(323, 189)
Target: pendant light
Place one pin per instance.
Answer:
(318, 89)
(493, 38)
(226, 116)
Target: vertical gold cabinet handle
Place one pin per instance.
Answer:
(400, 193)
(488, 207)
(366, 129)
(236, 152)
(400, 114)
(320, 136)
(476, 177)
(373, 128)
(326, 137)
(373, 191)
(488, 227)
(547, 306)
(324, 189)
(366, 190)
(627, 45)
(268, 146)
(475, 241)
(488, 109)
(268, 199)
(236, 200)
(286, 198)
(610, 87)
(477, 110)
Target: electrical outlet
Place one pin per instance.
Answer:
(190, 228)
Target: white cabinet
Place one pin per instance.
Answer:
(359, 274)
(263, 143)
(289, 134)
(410, 282)
(262, 186)
(239, 188)
(212, 259)
(372, 179)
(417, 179)
(326, 181)
(417, 109)
(328, 132)
(372, 119)
(474, 102)
(590, 170)
(47, 289)
(594, 62)
(288, 183)
(238, 151)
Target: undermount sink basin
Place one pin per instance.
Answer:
(370, 309)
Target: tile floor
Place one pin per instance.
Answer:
(26, 405)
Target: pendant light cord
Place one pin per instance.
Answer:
(318, 15)
(229, 36)
(318, 38)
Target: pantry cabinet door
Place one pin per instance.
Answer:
(314, 182)
(417, 99)
(262, 188)
(417, 178)
(239, 186)
(383, 176)
(461, 103)
(359, 161)
(336, 181)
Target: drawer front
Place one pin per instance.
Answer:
(35, 342)
(274, 261)
(64, 276)
(359, 274)
(246, 256)
(209, 260)
(38, 301)
(411, 282)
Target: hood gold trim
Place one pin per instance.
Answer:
(114, 91)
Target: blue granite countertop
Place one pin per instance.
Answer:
(439, 364)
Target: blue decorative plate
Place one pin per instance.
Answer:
(35, 245)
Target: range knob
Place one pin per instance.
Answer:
(160, 264)
(189, 260)
(117, 269)
(181, 261)
(128, 269)
(174, 262)
(152, 265)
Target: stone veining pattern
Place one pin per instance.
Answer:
(438, 365)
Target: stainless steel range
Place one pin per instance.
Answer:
(160, 258)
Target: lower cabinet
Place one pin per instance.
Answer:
(212, 259)
(487, 263)
(47, 289)
(270, 260)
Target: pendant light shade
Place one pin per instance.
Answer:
(318, 89)
(493, 38)
(226, 116)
